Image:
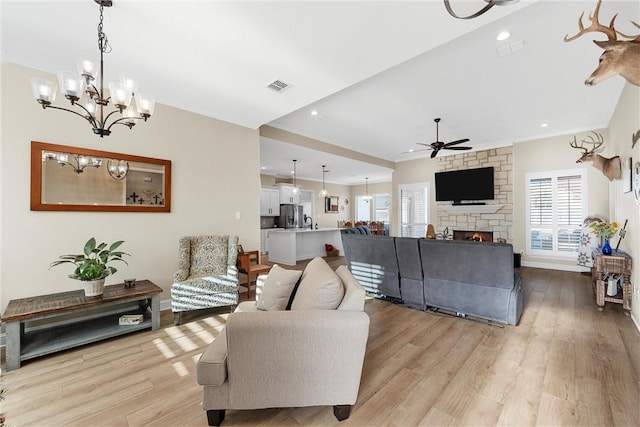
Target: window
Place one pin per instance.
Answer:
(556, 206)
(414, 209)
(363, 209)
(381, 208)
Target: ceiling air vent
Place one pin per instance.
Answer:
(278, 86)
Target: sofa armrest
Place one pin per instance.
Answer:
(211, 369)
(295, 358)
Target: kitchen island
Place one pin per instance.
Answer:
(295, 244)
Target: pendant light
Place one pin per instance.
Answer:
(295, 189)
(367, 197)
(323, 192)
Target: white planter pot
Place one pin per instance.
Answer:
(93, 288)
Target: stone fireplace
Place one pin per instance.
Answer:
(496, 216)
(473, 235)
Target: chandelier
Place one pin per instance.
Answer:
(323, 192)
(81, 91)
(117, 169)
(367, 197)
(489, 5)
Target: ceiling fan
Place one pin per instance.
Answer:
(439, 145)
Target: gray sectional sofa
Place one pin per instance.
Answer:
(464, 277)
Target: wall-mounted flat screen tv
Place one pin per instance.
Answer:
(466, 184)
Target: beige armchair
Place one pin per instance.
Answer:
(279, 359)
(207, 275)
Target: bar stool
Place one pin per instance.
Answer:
(249, 264)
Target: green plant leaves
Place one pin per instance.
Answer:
(93, 263)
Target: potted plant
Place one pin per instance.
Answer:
(92, 266)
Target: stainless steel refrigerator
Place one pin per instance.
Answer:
(291, 216)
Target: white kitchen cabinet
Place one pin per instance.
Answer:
(269, 202)
(288, 196)
(264, 238)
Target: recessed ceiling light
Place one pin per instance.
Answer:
(503, 36)
(263, 167)
(314, 112)
(411, 150)
(544, 125)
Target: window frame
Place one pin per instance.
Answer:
(412, 187)
(555, 226)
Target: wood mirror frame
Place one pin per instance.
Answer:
(37, 204)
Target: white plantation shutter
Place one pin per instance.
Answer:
(414, 209)
(570, 212)
(556, 207)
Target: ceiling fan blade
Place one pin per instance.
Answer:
(457, 148)
(435, 152)
(460, 141)
(422, 143)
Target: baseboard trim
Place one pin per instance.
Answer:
(561, 267)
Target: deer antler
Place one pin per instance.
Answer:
(634, 138)
(595, 26)
(633, 39)
(596, 142)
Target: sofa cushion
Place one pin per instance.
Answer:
(209, 255)
(320, 288)
(277, 288)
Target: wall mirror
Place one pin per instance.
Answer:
(331, 204)
(67, 178)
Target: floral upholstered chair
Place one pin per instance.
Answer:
(207, 275)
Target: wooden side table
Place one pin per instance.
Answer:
(248, 263)
(618, 262)
(70, 319)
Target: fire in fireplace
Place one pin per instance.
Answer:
(473, 235)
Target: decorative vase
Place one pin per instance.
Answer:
(606, 248)
(93, 288)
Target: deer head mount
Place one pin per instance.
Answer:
(609, 167)
(619, 57)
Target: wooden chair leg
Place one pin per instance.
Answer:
(215, 416)
(342, 412)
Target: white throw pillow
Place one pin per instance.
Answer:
(277, 289)
(320, 288)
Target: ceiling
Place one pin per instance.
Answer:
(378, 73)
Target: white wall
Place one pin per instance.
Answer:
(215, 174)
(552, 154)
(626, 121)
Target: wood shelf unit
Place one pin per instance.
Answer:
(40, 325)
(618, 262)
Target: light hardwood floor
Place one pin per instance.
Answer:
(565, 364)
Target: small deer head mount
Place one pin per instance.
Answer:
(619, 57)
(611, 168)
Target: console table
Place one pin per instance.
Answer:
(69, 319)
(618, 262)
